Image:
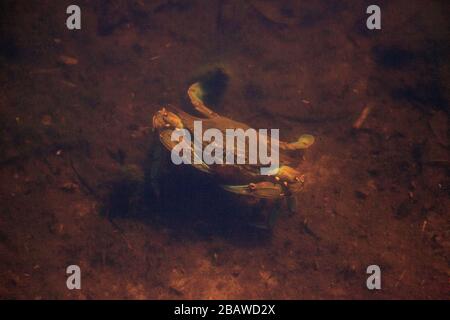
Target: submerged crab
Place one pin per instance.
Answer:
(243, 179)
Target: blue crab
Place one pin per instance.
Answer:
(243, 179)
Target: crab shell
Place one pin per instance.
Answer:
(241, 179)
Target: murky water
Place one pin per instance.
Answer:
(77, 145)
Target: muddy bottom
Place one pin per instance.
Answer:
(77, 149)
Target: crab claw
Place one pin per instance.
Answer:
(265, 189)
(166, 119)
(289, 174)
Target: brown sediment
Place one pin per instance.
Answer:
(75, 108)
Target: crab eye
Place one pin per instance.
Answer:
(252, 186)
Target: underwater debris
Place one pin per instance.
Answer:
(46, 120)
(68, 60)
(362, 117)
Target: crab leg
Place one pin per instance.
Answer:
(195, 93)
(155, 169)
(274, 214)
(265, 190)
(303, 142)
(292, 203)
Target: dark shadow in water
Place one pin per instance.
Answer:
(422, 95)
(190, 205)
(428, 92)
(393, 57)
(9, 50)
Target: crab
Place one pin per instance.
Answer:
(243, 179)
